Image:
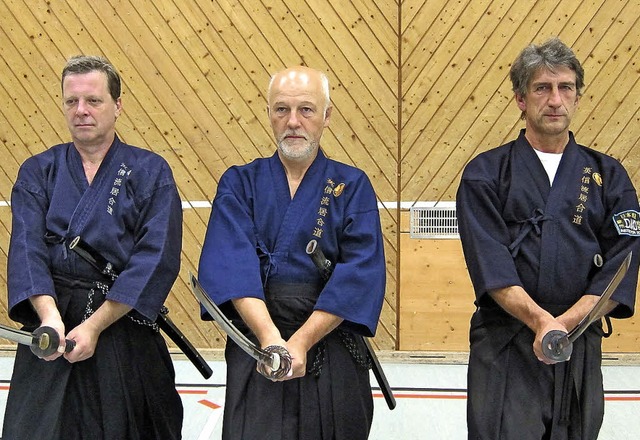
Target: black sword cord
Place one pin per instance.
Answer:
(104, 266)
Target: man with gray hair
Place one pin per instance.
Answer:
(118, 381)
(543, 227)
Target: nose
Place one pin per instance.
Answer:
(81, 108)
(293, 120)
(555, 99)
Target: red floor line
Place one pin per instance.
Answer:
(464, 397)
(414, 396)
(192, 391)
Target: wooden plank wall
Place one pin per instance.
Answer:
(418, 89)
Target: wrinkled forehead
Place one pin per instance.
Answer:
(297, 83)
(558, 73)
(95, 79)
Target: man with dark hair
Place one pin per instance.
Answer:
(254, 265)
(545, 223)
(118, 382)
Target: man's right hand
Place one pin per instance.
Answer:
(517, 302)
(47, 310)
(549, 325)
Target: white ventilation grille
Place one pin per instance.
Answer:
(434, 222)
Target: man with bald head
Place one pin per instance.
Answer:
(254, 265)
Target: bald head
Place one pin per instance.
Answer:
(299, 110)
(301, 80)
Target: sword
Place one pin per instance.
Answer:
(43, 342)
(105, 267)
(558, 345)
(275, 357)
(325, 267)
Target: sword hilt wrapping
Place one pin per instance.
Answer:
(47, 342)
(556, 346)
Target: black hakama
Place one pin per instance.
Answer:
(331, 402)
(126, 390)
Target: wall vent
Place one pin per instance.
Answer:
(434, 222)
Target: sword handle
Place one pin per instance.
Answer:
(46, 342)
(282, 363)
(556, 346)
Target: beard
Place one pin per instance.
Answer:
(296, 152)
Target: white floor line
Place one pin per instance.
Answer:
(209, 427)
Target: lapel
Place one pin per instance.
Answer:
(297, 209)
(91, 194)
(554, 211)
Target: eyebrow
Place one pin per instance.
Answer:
(299, 104)
(562, 83)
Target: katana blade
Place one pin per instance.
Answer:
(558, 345)
(43, 342)
(15, 335)
(278, 362)
(602, 302)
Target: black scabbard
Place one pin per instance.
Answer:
(378, 372)
(166, 325)
(93, 257)
(326, 268)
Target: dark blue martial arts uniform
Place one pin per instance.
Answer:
(516, 229)
(255, 247)
(131, 213)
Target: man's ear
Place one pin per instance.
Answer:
(327, 115)
(520, 100)
(118, 107)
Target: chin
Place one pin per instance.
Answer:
(297, 154)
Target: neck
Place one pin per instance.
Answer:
(94, 151)
(92, 156)
(548, 143)
(294, 177)
(295, 171)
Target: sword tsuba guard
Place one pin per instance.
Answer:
(556, 346)
(47, 341)
(285, 363)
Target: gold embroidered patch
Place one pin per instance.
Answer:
(338, 190)
(597, 178)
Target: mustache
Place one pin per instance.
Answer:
(292, 134)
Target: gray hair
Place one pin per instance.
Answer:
(549, 55)
(80, 64)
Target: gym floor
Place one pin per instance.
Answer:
(430, 392)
